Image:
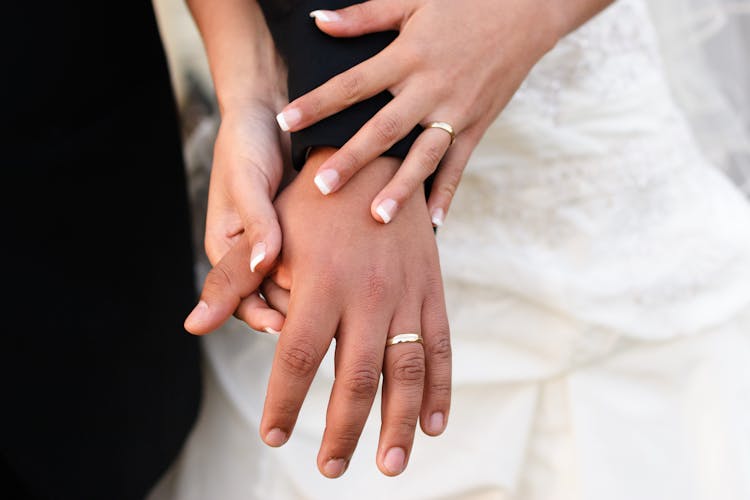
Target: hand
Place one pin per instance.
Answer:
(458, 62)
(246, 173)
(358, 282)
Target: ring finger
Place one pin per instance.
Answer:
(403, 385)
(422, 160)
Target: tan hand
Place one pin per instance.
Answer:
(359, 282)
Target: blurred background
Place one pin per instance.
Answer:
(199, 116)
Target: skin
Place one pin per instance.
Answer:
(464, 76)
(457, 62)
(359, 282)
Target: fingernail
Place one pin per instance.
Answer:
(257, 255)
(327, 16)
(334, 467)
(275, 437)
(436, 422)
(288, 119)
(197, 313)
(270, 330)
(386, 209)
(394, 461)
(326, 180)
(437, 217)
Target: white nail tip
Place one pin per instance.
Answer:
(257, 260)
(381, 211)
(257, 255)
(322, 186)
(386, 209)
(271, 331)
(437, 217)
(283, 125)
(323, 15)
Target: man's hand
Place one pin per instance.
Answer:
(361, 283)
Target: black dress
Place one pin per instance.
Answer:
(100, 383)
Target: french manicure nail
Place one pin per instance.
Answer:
(327, 16)
(394, 461)
(437, 217)
(386, 209)
(271, 331)
(275, 437)
(326, 180)
(436, 422)
(288, 119)
(257, 255)
(197, 313)
(334, 467)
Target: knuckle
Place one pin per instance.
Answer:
(349, 160)
(387, 128)
(448, 189)
(363, 11)
(430, 158)
(349, 85)
(299, 360)
(363, 382)
(440, 390)
(218, 278)
(440, 349)
(404, 425)
(283, 411)
(344, 439)
(376, 287)
(409, 367)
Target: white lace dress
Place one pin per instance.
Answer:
(597, 271)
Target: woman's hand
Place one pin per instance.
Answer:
(361, 283)
(248, 166)
(455, 62)
(245, 177)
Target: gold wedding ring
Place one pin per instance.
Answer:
(404, 338)
(444, 126)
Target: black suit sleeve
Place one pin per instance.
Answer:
(312, 57)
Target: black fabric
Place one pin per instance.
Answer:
(100, 382)
(312, 58)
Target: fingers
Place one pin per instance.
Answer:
(354, 85)
(276, 296)
(359, 362)
(254, 203)
(260, 315)
(403, 383)
(382, 131)
(228, 282)
(306, 336)
(422, 160)
(448, 177)
(436, 334)
(367, 17)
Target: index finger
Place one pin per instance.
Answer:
(356, 84)
(307, 333)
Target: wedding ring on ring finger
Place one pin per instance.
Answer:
(404, 338)
(446, 127)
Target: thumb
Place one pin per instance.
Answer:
(243, 267)
(226, 284)
(367, 17)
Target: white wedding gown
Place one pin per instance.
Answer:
(597, 273)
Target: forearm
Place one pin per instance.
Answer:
(241, 53)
